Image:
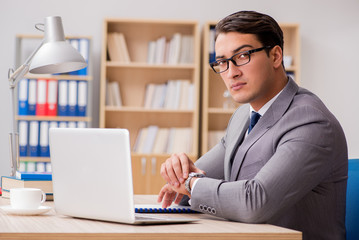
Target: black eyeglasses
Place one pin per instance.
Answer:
(238, 59)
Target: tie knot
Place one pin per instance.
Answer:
(254, 119)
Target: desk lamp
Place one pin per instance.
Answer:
(53, 55)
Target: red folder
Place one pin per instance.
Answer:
(41, 108)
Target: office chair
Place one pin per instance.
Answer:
(352, 209)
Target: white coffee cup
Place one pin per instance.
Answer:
(26, 198)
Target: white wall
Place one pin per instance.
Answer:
(329, 35)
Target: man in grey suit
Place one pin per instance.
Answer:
(290, 169)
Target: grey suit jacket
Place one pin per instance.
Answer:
(291, 170)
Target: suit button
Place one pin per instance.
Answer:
(205, 208)
(201, 207)
(213, 211)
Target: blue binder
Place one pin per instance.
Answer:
(23, 138)
(44, 139)
(34, 138)
(32, 86)
(62, 102)
(23, 96)
(84, 50)
(72, 96)
(81, 98)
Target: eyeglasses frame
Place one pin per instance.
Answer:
(249, 52)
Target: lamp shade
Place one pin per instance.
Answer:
(56, 55)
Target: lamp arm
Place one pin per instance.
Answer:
(14, 78)
(19, 73)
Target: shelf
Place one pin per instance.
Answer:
(53, 118)
(221, 110)
(59, 77)
(146, 110)
(133, 77)
(35, 159)
(146, 65)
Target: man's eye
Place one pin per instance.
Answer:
(220, 63)
(243, 55)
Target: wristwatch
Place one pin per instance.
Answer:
(188, 180)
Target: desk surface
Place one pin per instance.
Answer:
(54, 226)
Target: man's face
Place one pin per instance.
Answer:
(250, 83)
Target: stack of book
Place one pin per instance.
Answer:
(113, 94)
(153, 139)
(49, 97)
(117, 48)
(175, 94)
(177, 50)
(42, 181)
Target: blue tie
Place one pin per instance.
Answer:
(254, 119)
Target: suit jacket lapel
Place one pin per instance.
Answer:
(273, 114)
(235, 137)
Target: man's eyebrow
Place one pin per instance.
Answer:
(236, 50)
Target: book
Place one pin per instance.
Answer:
(51, 103)
(161, 141)
(31, 108)
(143, 208)
(8, 183)
(34, 138)
(212, 35)
(75, 44)
(141, 140)
(184, 95)
(72, 98)
(44, 139)
(117, 47)
(123, 45)
(84, 49)
(63, 98)
(159, 96)
(116, 94)
(41, 97)
(82, 98)
(150, 139)
(31, 166)
(149, 95)
(151, 52)
(23, 138)
(33, 176)
(23, 96)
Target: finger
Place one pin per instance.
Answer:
(185, 165)
(177, 163)
(162, 193)
(178, 198)
(163, 172)
(170, 165)
(168, 197)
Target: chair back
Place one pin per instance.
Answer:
(352, 208)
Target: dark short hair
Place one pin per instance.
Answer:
(263, 26)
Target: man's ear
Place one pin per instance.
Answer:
(277, 56)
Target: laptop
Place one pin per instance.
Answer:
(92, 176)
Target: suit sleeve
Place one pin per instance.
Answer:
(304, 153)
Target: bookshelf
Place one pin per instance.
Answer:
(217, 108)
(25, 44)
(135, 73)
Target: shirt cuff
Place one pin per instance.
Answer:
(194, 184)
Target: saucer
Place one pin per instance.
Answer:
(42, 209)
